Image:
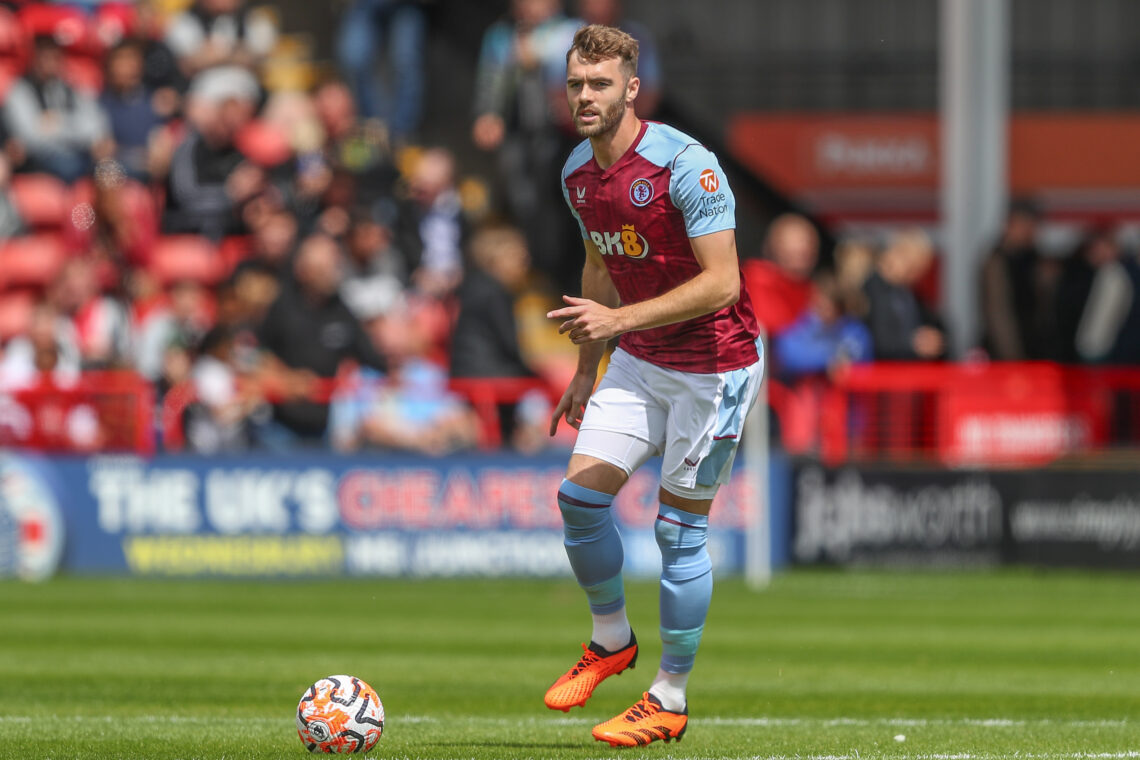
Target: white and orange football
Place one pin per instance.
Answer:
(340, 714)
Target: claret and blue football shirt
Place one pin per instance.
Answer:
(640, 213)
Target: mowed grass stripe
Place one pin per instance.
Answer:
(824, 664)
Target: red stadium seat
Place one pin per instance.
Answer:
(186, 257)
(114, 21)
(235, 249)
(15, 314)
(41, 199)
(69, 26)
(32, 261)
(264, 144)
(13, 39)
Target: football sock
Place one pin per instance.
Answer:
(686, 585)
(669, 688)
(596, 556)
(611, 630)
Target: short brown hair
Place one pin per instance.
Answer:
(600, 43)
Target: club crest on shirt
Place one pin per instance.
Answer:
(709, 181)
(641, 192)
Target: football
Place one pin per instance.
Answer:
(340, 714)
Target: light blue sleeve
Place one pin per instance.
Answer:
(700, 191)
(574, 211)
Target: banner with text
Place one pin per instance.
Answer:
(937, 517)
(321, 514)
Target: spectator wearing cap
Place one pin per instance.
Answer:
(209, 179)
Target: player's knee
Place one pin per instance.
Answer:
(683, 540)
(585, 513)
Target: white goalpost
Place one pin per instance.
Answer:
(758, 535)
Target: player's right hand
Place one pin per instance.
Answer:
(573, 403)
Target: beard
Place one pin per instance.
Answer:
(607, 122)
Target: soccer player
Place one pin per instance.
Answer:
(658, 220)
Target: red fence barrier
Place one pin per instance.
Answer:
(997, 414)
(485, 394)
(102, 411)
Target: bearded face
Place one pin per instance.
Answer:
(598, 94)
(590, 122)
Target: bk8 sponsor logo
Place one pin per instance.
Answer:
(629, 242)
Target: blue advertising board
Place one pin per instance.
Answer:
(325, 514)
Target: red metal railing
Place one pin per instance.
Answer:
(484, 394)
(998, 414)
(102, 411)
(995, 414)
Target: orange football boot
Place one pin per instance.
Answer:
(643, 723)
(596, 665)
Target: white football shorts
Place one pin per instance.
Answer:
(693, 421)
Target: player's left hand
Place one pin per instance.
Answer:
(587, 321)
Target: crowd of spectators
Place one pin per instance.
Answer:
(875, 300)
(316, 277)
(289, 259)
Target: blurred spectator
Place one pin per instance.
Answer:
(48, 350)
(515, 116)
(1096, 302)
(274, 241)
(780, 283)
(358, 151)
(220, 33)
(824, 339)
(181, 323)
(808, 354)
(375, 274)
(380, 47)
(854, 262)
(1017, 292)
(219, 418)
(60, 129)
(209, 178)
(101, 322)
(901, 328)
(433, 224)
(485, 340)
(11, 223)
(129, 107)
(411, 409)
(161, 73)
(245, 299)
(118, 227)
(612, 13)
(306, 335)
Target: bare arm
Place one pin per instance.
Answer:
(597, 287)
(716, 286)
(599, 315)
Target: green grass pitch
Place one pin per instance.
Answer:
(932, 666)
